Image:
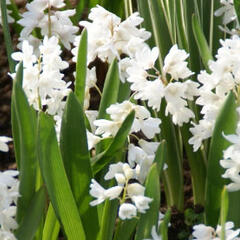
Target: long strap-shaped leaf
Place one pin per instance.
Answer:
(108, 220)
(173, 177)
(225, 123)
(201, 41)
(237, 8)
(32, 217)
(24, 131)
(76, 160)
(150, 218)
(110, 90)
(51, 225)
(197, 166)
(81, 68)
(55, 178)
(14, 120)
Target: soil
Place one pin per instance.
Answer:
(179, 228)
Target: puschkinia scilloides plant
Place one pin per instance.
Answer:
(154, 90)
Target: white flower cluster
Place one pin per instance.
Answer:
(42, 78)
(153, 88)
(10, 19)
(231, 161)
(8, 197)
(224, 77)
(203, 232)
(109, 38)
(41, 14)
(118, 112)
(125, 191)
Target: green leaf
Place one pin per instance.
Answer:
(160, 156)
(150, 218)
(51, 225)
(215, 34)
(110, 90)
(81, 68)
(225, 123)
(197, 165)
(80, 7)
(124, 91)
(234, 208)
(174, 173)
(194, 59)
(32, 217)
(161, 34)
(116, 7)
(144, 11)
(76, 160)
(125, 229)
(117, 145)
(181, 26)
(55, 178)
(24, 131)
(237, 8)
(224, 211)
(7, 36)
(108, 220)
(14, 120)
(201, 41)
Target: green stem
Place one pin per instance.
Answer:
(7, 36)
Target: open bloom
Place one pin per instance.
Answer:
(3, 143)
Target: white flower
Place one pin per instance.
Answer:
(113, 169)
(119, 111)
(120, 171)
(200, 132)
(231, 162)
(144, 160)
(127, 211)
(8, 177)
(202, 232)
(141, 202)
(97, 191)
(152, 91)
(175, 65)
(93, 140)
(106, 128)
(7, 221)
(227, 10)
(26, 55)
(3, 143)
(6, 235)
(135, 189)
(146, 57)
(229, 233)
(176, 105)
